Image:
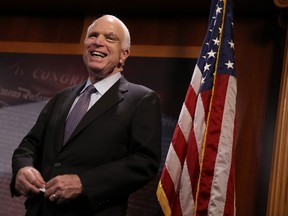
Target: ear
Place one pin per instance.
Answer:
(124, 56)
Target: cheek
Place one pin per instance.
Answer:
(87, 44)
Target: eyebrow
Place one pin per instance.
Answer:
(105, 34)
(112, 34)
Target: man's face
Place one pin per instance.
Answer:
(103, 54)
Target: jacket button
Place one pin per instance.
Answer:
(57, 164)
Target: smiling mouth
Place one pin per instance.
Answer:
(98, 54)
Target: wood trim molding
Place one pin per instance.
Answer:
(40, 48)
(281, 3)
(69, 48)
(165, 51)
(278, 191)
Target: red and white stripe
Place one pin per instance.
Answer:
(198, 176)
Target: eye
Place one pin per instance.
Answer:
(93, 35)
(112, 38)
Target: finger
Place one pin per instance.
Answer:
(56, 198)
(50, 183)
(27, 189)
(22, 185)
(37, 179)
(53, 197)
(24, 182)
(20, 188)
(52, 186)
(30, 178)
(31, 189)
(38, 176)
(50, 191)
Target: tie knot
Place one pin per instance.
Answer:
(90, 89)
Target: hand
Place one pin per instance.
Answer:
(63, 188)
(28, 181)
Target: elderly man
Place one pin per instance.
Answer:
(94, 143)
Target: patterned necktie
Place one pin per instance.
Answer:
(78, 111)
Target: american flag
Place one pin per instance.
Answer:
(198, 175)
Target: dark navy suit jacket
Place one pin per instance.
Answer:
(115, 149)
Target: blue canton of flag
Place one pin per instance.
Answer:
(207, 60)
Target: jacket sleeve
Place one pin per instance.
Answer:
(29, 150)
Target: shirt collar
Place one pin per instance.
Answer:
(103, 85)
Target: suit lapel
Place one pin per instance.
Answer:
(112, 97)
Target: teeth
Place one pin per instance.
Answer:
(98, 54)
